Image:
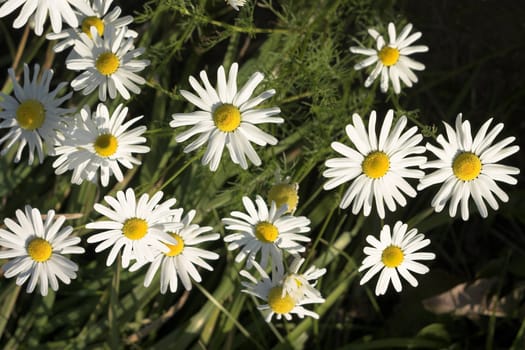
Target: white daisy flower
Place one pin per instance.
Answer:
(268, 230)
(33, 115)
(37, 10)
(182, 257)
(395, 253)
(227, 118)
(302, 285)
(392, 61)
(377, 167)
(36, 248)
(469, 167)
(108, 63)
(99, 141)
(236, 3)
(278, 302)
(135, 227)
(97, 15)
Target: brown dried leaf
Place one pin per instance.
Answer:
(475, 299)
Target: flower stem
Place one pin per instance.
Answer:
(18, 55)
(113, 306)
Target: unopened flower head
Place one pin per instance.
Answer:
(37, 10)
(33, 115)
(96, 15)
(395, 253)
(470, 166)
(108, 63)
(268, 230)
(36, 247)
(284, 193)
(227, 118)
(182, 258)
(391, 60)
(278, 301)
(137, 228)
(99, 143)
(376, 166)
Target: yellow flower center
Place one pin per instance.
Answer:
(466, 166)
(392, 256)
(92, 21)
(227, 117)
(135, 228)
(106, 145)
(107, 63)
(376, 164)
(39, 249)
(175, 249)
(30, 114)
(266, 232)
(284, 193)
(278, 303)
(388, 56)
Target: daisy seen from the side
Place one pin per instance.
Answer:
(108, 63)
(98, 15)
(37, 11)
(182, 258)
(227, 118)
(376, 166)
(137, 228)
(394, 254)
(33, 115)
(36, 247)
(278, 301)
(391, 60)
(98, 143)
(236, 3)
(267, 230)
(469, 167)
(302, 285)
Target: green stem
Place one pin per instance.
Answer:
(217, 304)
(18, 55)
(9, 297)
(395, 101)
(518, 342)
(231, 27)
(114, 336)
(181, 169)
(420, 217)
(249, 30)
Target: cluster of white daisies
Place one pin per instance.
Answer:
(270, 230)
(93, 144)
(144, 231)
(378, 165)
